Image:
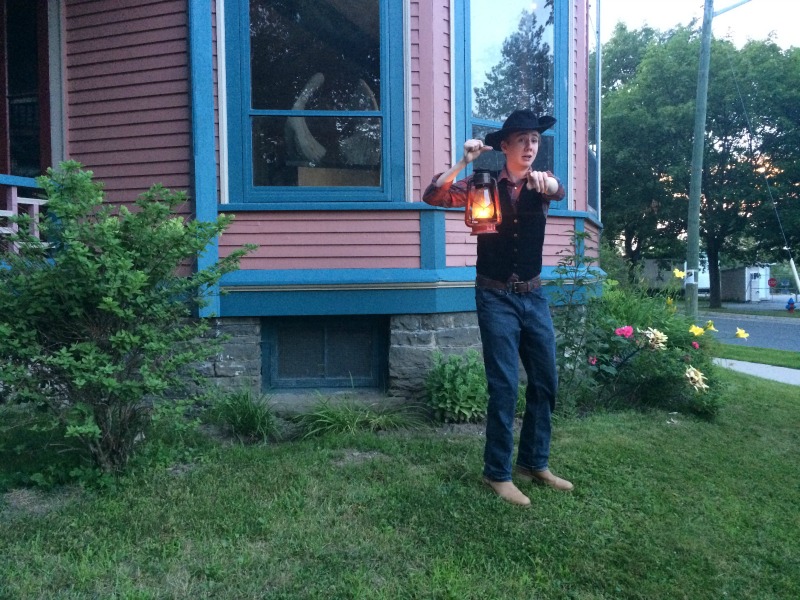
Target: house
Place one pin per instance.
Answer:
(318, 124)
(659, 273)
(745, 284)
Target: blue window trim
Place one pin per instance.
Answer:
(17, 181)
(240, 113)
(204, 162)
(348, 291)
(463, 95)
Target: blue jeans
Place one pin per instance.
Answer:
(513, 327)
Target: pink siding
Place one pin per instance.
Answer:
(317, 240)
(127, 83)
(558, 239)
(580, 101)
(461, 245)
(430, 90)
(215, 60)
(593, 248)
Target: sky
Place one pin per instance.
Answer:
(756, 19)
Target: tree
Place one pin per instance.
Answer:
(95, 322)
(751, 90)
(774, 76)
(647, 124)
(751, 127)
(523, 78)
(623, 54)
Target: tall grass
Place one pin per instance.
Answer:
(350, 417)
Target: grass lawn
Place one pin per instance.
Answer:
(766, 356)
(665, 506)
(742, 309)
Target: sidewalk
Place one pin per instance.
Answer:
(779, 374)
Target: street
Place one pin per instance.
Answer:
(777, 333)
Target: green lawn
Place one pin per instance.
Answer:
(766, 356)
(742, 309)
(665, 506)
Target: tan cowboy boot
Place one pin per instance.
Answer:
(543, 478)
(508, 492)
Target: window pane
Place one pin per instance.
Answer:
(315, 54)
(594, 133)
(494, 160)
(302, 352)
(337, 351)
(23, 90)
(512, 57)
(316, 151)
(350, 352)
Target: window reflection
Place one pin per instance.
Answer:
(321, 56)
(344, 152)
(512, 57)
(292, 40)
(23, 138)
(494, 160)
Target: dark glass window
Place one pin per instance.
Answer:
(25, 46)
(315, 93)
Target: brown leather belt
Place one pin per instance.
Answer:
(512, 285)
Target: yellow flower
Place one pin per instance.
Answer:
(710, 326)
(741, 333)
(696, 379)
(678, 273)
(656, 339)
(697, 331)
(670, 301)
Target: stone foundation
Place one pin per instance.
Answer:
(238, 364)
(413, 340)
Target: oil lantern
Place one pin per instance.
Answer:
(483, 204)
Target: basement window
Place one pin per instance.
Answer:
(325, 352)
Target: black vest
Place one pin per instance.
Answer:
(517, 245)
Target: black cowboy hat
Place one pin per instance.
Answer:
(519, 120)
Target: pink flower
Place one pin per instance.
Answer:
(695, 345)
(592, 360)
(625, 332)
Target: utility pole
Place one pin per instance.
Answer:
(695, 188)
(693, 222)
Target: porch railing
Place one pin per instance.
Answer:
(16, 200)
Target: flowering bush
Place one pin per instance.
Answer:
(627, 348)
(647, 366)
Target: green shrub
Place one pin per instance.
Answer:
(627, 347)
(349, 416)
(245, 414)
(456, 388)
(173, 435)
(572, 315)
(632, 371)
(33, 449)
(96, 323)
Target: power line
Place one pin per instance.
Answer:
(750, 131)
(748, 123)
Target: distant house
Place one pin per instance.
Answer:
(318, 124)
(745, 284)
(659, 274)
